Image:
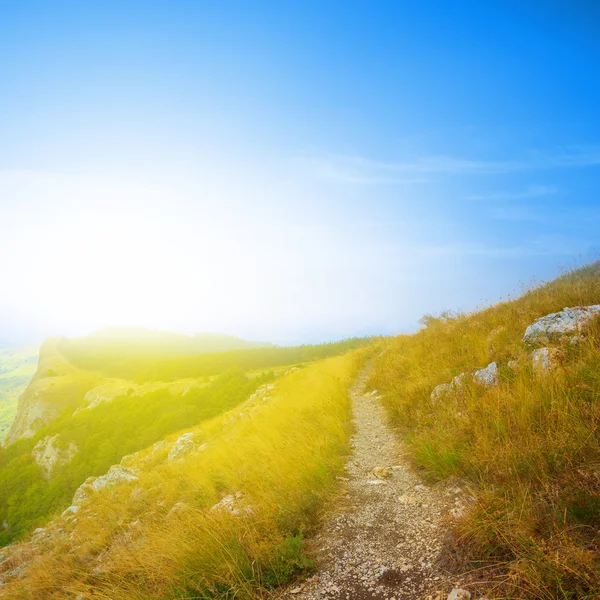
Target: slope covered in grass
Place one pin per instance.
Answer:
(225, 520)
(75, 422)
(157, 356)
(101, 436)
(529, 447)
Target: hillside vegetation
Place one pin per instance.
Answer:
(223, 517)
(74, 423)
(17, 367)
(529, 447)
(157, 356)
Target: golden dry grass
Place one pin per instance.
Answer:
(529, 448)
(282, 455)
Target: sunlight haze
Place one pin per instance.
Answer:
(263, 176)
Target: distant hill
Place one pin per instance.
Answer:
(17, 366)
(95, 399)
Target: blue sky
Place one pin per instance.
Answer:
(291, 171)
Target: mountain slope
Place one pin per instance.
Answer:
(523, 433)
(74, 423)
(215, 511)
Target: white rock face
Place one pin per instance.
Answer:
(488, 376)
(115, 475)
(184, 445)
(565, 322)
(545, 359)
(32, 415)
(49, 454)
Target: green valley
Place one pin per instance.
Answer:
(17, 367)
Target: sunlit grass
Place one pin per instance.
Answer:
(281, 454)
(529, 448)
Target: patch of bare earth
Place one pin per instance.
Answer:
(384, 539)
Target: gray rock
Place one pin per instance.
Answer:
(444, 389)
(230, 504)
(49, 454)
(459, 594)
(440, 390)
(183, 446)
(488, 376)
(115, 475)
(16, 572)
(71, 510)
(545, 359)
(557, 325)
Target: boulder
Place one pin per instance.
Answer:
(487, 377)
(445, 388)
(50, 454)
(184, 445)
(545, 359)
(557, 325)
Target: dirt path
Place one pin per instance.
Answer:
(382, 541)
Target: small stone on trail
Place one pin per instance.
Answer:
(459, 594)
(382, 472)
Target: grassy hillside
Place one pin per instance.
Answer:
(224, 521)
(17, 367)
(166, 357)
(93, 421)
(529, 447)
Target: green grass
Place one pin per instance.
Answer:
(140, 411)
(17, 367)
(282, 455)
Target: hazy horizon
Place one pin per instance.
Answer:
(290, 173)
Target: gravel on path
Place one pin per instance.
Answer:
(382, 540)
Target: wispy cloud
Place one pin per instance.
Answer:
(357, 169)
(532, 191)
(556, 245)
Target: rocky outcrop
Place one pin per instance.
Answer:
(182, 446)
(49, 454)
(444, 389)
(545, 359)
(33, 413)
(557, 325)
(487, 377)
(55, 385)
(116, 475)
